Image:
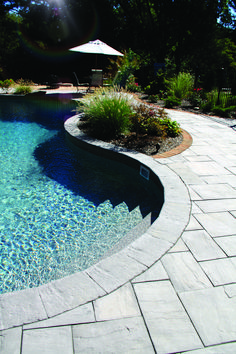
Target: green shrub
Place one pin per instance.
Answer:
(224, 112)
(107, 112)
(142, 118)
(153, 98)
(172, 101)
(226, 99)
(6, 84)
(206, 106)
(181, 85)
(197, 97)
(131, 85)
(126, 65)
(157, 85)
(23, 90)
(156, 123)
(171, 126)
(220, 103)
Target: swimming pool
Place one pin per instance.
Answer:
(61, 208)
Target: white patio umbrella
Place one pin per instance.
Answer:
(96, 47)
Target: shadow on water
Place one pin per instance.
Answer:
(49, 111)
(93, 177)
(96, 178)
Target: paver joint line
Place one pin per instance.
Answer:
(186, 298)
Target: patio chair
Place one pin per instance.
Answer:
(96, 78)
(78, 84)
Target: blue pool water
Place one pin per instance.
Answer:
(61, 209)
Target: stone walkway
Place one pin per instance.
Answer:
(186, 301)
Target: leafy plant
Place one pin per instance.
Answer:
(197, 97)
(126, 65)
(218, 101)
(23, 90)
(181, 85)
(226, 112)
(132, 85)
(171, 126)
(107, 112)
(172, 101)
(152, 98)
(153, 122)
(6, 84)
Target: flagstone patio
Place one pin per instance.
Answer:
(183, 301)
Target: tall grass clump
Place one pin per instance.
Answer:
(221, 103)
(107, 112)
(23, 90)
(181, 85)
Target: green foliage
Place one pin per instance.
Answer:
(197, 97)
(126, 65)
(132, 85)
(23, 90)
(194, 35)
(172, 101)
(222, 99)
(107, 112)
(153, 98)
(6, 84)
(157, 85)
(226, 112)
(181, 85)
(157, 123)
(172, 127)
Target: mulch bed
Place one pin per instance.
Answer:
(149, 145)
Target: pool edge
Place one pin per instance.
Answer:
(32, 305)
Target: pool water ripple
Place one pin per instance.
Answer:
(48, 230)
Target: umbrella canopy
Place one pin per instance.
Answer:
(96, 47)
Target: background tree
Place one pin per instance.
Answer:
(193, 35)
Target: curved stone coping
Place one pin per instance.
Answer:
(56, 297)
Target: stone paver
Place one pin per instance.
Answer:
(155, 272)
(201, 245)
(48, 340)
(216, 349)
(11, 305)
(211, 206)
(169, 326)
(119, 336)
(215, 191)
(228, 244)
(119, 304)
(10, 341)
(213, 314)
(218, 224)
(81, 314)
(139, 300)
(220, 271)
(185, 272)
